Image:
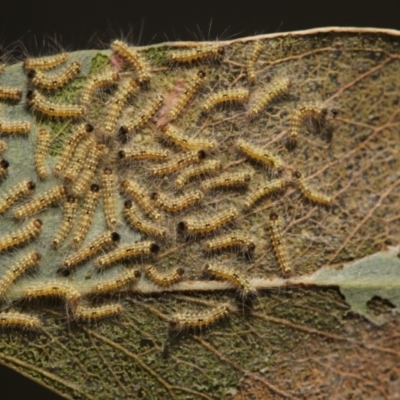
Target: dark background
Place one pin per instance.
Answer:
(26, 27)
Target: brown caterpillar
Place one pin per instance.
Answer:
(42, 147)
(144, 153)
(145, 248)
(10, 93)
(207, 224)
(103, 241)
(27, 262)
(172, 134)
(43, 63)
(11, 127)
(227, 180)
(21, 189)
(236, 239)
(164, 279)
(117, 102)
(30, 231)
(70, 207)
(264, 190)
(95, 82)
(175, 204)
(195, 54)
(3, 146)
(40, 202)
(192, 84)
(206, 167)
(251, 60)
(39, 103)
(178, 162)
(225, 96)
(116, 283)
(134, 219)
(310, 194)
(276, 89)
(143, 115)
(142, 197)
(21, 320)
(260, 155)
(193, 320)
(4, 164)
(75, 137)
(278, 243)
(93, 313)
(54, 81)
(135, 58)
(90, 165)
(78, 159)
(53, 289)
(229, 274)
(108, 182)
(86, 216)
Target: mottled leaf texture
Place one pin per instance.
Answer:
(279, 280)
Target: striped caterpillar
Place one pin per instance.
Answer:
(175, 204)
(44, 63)
(236, 239)
(10, 93)
(22, 320)
(227, 180)
(23, 188)
(206, 167)
(42, 147)
(70, 207)
(310, 194)
(144, 153)
(116, 283)
(251, 60)
(195, 54)
(12, 127)
(278, 243)
(95, 82)
(87, 314)
(30, 231)
(262, 191)
(225, 96)
(164, 279)
(78, 159)
(108, 182)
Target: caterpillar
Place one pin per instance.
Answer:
(175, 204)
(95, 82)
(251, 60)
(108, 182)
(229, 274)
(117, 102)
(70, 207)
(4, 164)
(54, 81)
(86, 216)
(145, 248)
(227, 180)
(42, 147)
(178, 162)
(93, 313)
(310, 194)
(78, 159)
(30, 260)
(21, 189)
(116, 283)
(144, 153)
(53, 289)
(44, 63)
(141, 196)
(143, 115)
(93, 157)
(278, 243)
(264, 190)
(207, 224)
(164, 279)
(224, 96)
(257, 154)
(103, 241)
(21, 320)
(10, 93)
(195, 54)
(172, 134)
(133, 218)
(11, 127)
(236, 239)
(192, 84)
(75, 137)
(39, 103)
(193, 320)
(206, 167)
(135, 58)
(273, 91)
(30, 231)
(40, 202)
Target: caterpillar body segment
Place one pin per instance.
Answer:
(309, 193)
(42, 147)
(117, 283)
(143, 153)
(21, 189)
(87, 314)
(176, 203)
(226, 180)
(20, 320)
(251, 60)
(225, 96)
(69, 214)
(195, 54)
(206, 167)
(236, 239)
(164, 279)
(45, 63)
(10, 93)
(14, 127)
